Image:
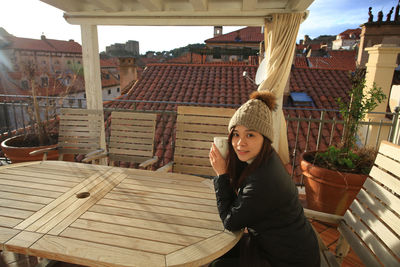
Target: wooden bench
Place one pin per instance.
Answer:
(371, 226)
(195, 131)
(131, 139)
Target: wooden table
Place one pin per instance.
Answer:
(131, 218)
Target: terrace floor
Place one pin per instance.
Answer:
(330, 236)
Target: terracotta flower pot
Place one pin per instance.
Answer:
(17, 154)
(327, 190)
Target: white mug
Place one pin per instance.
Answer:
(221, 142)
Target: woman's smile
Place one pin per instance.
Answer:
(246, 143)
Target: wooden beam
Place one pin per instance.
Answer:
(167, 21)
(249, 4)
(91, 70)
(67, 6)
(199, 5)
(299, 5)
(152, 5)
(109, 6)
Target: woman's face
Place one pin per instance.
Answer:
(246, 143)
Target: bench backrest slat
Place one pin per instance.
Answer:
(372, 223)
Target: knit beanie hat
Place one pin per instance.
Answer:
(256, 114)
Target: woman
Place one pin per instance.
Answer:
(254, 191)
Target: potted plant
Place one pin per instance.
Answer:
(43, 132)
(334, 177)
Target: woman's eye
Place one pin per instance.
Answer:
(250, 135)
(235, 134)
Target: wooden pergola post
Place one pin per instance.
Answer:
(91, 67)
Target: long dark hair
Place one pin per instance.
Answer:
(238, 171)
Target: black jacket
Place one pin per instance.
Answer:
(268, 205)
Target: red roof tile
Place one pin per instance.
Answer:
(109, 62)
(190, 58)
(43, 45)
(300, 62)
(337, 60)
(305, 46)
(108, 79)
(10, 83)
(343, 54)
(245, 35)
(210, 84)
(332, 63)
(346, 34)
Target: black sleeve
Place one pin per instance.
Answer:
(239, 211)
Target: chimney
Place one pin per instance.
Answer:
(127, 71)
(217, 31)
(43, 37)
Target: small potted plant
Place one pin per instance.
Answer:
(42, 132)
(334, 177)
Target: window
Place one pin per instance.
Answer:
(109, 91)
(118, 89)
(45, 81)
(79, 62)
(301, 99)
(24, 85)
(69, 62)
(84, 95)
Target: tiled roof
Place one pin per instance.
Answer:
(109, 62)
(332, 63)
(108, 79)
(206, 84)
(300, 62)
(188, 57)
(336, 60)
(196, 83)
(43, 45)
(343, 54)
(10, 84)
(346, 34)
(312, 46)
(247, 35)
(324, 87)
(210, 84)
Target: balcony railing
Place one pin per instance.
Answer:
(308, 129)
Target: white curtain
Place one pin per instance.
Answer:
(280, 42)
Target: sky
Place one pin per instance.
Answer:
(32, 18)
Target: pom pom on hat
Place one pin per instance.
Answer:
(256, 114)
(267, 97)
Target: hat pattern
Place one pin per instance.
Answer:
(256, 114)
